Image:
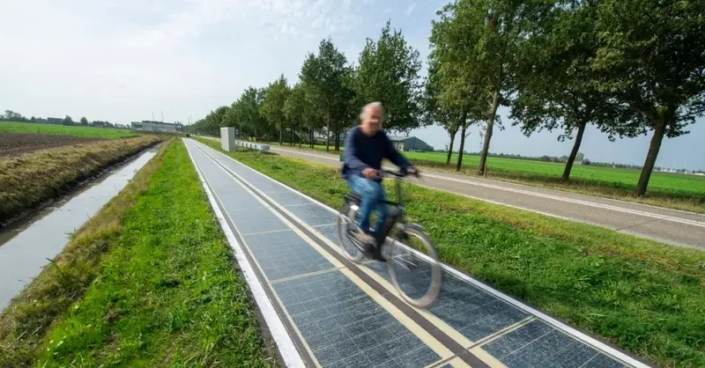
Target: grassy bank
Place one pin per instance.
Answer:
(75, 130)
(644, 296)
(678, 191)
(149, 281)
(28, 180)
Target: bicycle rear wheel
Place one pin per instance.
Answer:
(414, 268)
(345, 226)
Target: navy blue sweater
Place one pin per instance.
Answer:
(362, 152)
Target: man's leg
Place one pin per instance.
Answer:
(370, 191)
(382, 211)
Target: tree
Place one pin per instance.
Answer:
(13, 116)
(556, 84)
(480, 39)
(245, 112)
(456, 95)
(272, 108)
(653, 53)
(84, 121)
(435, 111)
(298, 111)
(324, 75)
(67, 120)
(388, 71)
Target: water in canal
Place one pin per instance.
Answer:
(27, 246)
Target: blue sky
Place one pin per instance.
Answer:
(122, 60)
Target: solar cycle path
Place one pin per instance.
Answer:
(324, 311)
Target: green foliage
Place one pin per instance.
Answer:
(653, 53)
(324, 75)
(388, 71)
(272, 107)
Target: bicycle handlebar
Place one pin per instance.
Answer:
(392, 173)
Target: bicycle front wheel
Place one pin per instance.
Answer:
(346, 226)
(414, 268)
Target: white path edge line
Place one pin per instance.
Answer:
(276, 327)
(554, 197)
(540, 315)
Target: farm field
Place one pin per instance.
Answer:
(13, 144)
(77, 131)
(686, 192)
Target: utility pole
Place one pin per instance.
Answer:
(162, 116)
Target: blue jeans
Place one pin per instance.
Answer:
(372, 194)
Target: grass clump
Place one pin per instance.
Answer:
(28, 180)
(644, 296)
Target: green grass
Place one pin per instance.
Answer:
(164, 292)
(678, 191)
(78, 131)
(646, 297)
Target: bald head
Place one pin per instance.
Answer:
(371, 118)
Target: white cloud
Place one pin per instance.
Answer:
(119, 60)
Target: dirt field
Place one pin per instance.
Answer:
(13, 144)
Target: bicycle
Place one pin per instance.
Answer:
(400, 232)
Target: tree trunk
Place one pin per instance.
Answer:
(464, 124)
(328, 137)
(310, 138)
(488, 133)
(337, 141)
(450, 148)
(281, 137)
(654, 149)
(573, 153)
(301, 137)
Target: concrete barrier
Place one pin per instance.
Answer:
(254, 146)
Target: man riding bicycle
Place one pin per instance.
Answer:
(366, 146)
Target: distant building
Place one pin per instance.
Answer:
(410, 144)
(157, 126)
(55, 120)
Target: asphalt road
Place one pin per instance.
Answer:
(665, 225)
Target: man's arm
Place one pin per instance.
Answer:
(350, 155)
(396, 157)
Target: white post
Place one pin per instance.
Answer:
(227, 139)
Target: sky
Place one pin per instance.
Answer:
(129, 60)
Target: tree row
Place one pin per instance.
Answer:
(627, 67)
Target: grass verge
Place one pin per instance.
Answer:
(149, 281)
(28, 180)
(676, 191)
(75, 130)
(644, 296)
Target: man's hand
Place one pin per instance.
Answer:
(413, 171)
(369, 173)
